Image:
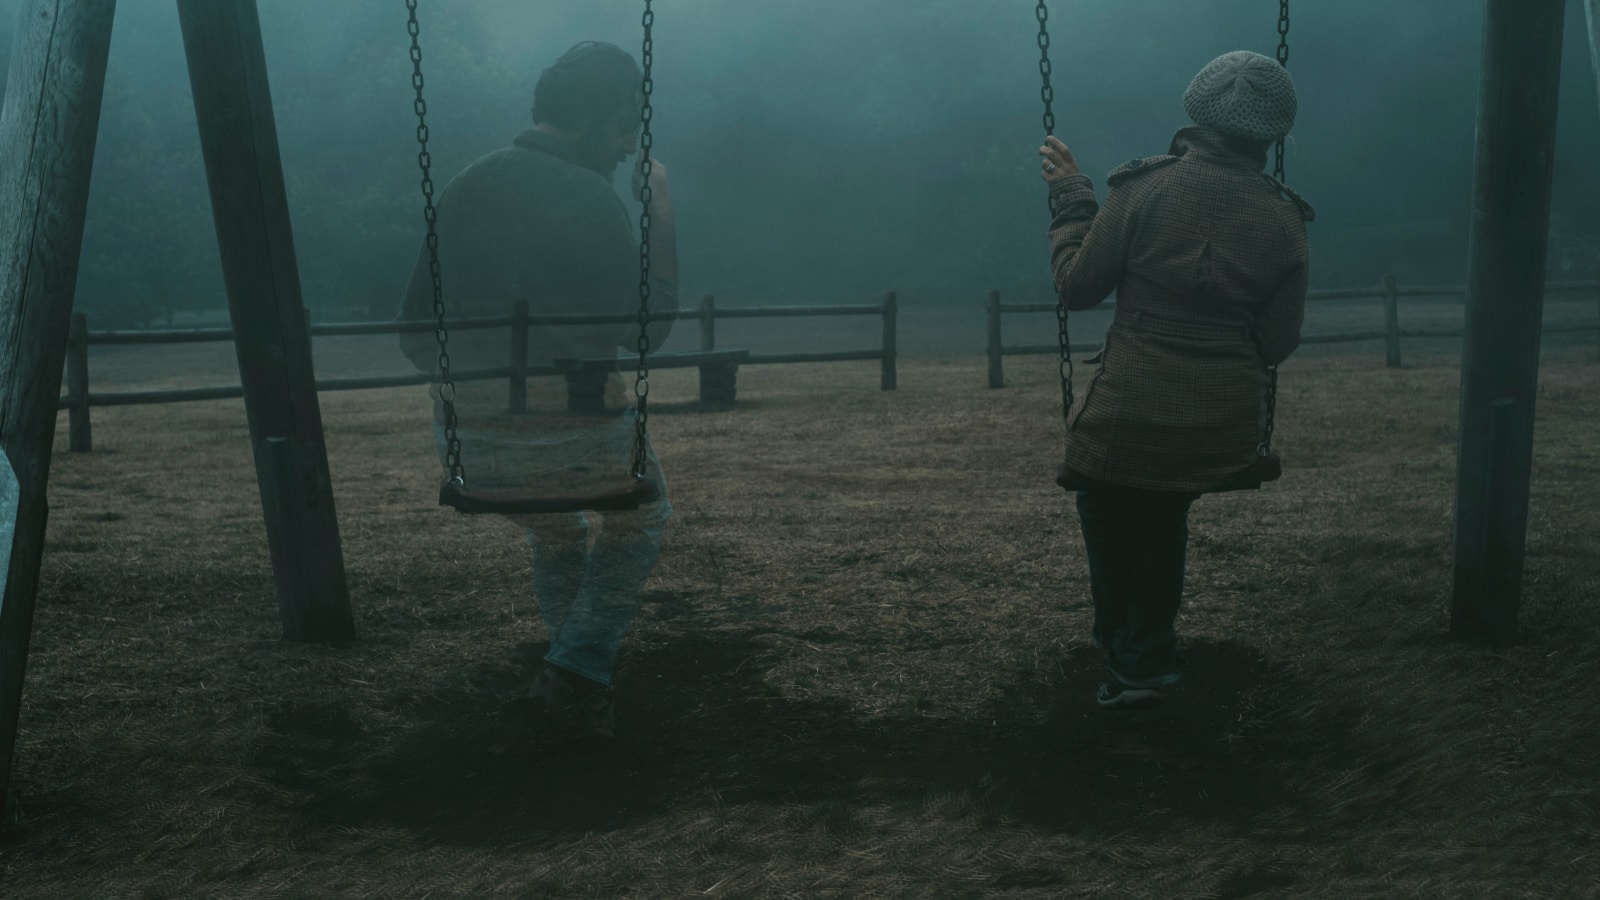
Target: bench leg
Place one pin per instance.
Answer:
(586, 391)
(718, 384)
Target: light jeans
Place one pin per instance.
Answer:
(589, 568)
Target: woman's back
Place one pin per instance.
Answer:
(1199, 235)
(1215, 240)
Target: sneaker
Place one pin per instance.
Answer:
(565, 705)
(1116, 695)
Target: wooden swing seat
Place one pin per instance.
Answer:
(511, 502)
(1267, 467)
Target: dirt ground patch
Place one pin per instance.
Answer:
(862, 667)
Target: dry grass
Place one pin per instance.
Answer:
(861, 669)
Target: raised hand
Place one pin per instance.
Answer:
(658, 181)
(1058, 161)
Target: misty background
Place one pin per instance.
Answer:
(822, 151)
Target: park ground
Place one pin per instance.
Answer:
(862, 667)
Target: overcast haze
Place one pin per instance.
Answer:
(825, 150)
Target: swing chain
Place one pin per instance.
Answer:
(1283, 60)
(1283, 33)
(1046, 92)
(641, 380)
(1272, 411)
(447, 388)
(1048, 95)
(1277, 171)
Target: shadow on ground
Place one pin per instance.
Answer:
(1239, 745)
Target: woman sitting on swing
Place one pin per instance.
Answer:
(1208, 256)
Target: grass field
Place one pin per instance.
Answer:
(862, 666)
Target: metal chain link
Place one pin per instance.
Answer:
(1048, 95)
(1046, 92)
(1272, 410)
(447, 388)
(1277, 172)
(1283, 60)
(641, 379)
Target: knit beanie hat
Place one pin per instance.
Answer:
(1243, 95)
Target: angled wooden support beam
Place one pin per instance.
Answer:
(1591, 9)
(1505, 304)
(47, 139)
(239, 139)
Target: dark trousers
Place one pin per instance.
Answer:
(1137, 542)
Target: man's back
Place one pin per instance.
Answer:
(526, 223)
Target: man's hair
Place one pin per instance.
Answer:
(593, 79)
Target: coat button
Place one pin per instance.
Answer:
(1135, 163)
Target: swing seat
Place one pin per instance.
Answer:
(511, 502)
(1267, 467)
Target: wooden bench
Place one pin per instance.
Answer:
(719, 372)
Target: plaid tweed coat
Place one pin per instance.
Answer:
(1209, 259)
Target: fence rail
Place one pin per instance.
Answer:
(80, 398)
(1389, 292)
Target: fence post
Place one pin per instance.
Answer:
(997, 372)
(890, 340)
(517, 393)
(81, 439)
(708, 323)
(1391, 321)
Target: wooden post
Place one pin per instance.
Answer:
(997, 372)
(239, 140)
(1391, 321)
(47, 141)
(586, 387)
(708, 323)
(80, 436)
(1597, 298)
(517, 399)
(1505, 304)
(719, 384)
(1591, 10)
(889, 380)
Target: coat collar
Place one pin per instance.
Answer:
(1212, 145)
(545, 142)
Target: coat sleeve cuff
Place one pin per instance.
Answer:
(663, 294)
(1072, 188)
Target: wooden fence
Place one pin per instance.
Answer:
(1390, 292)
(79, 398)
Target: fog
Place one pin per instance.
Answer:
(820, 151)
